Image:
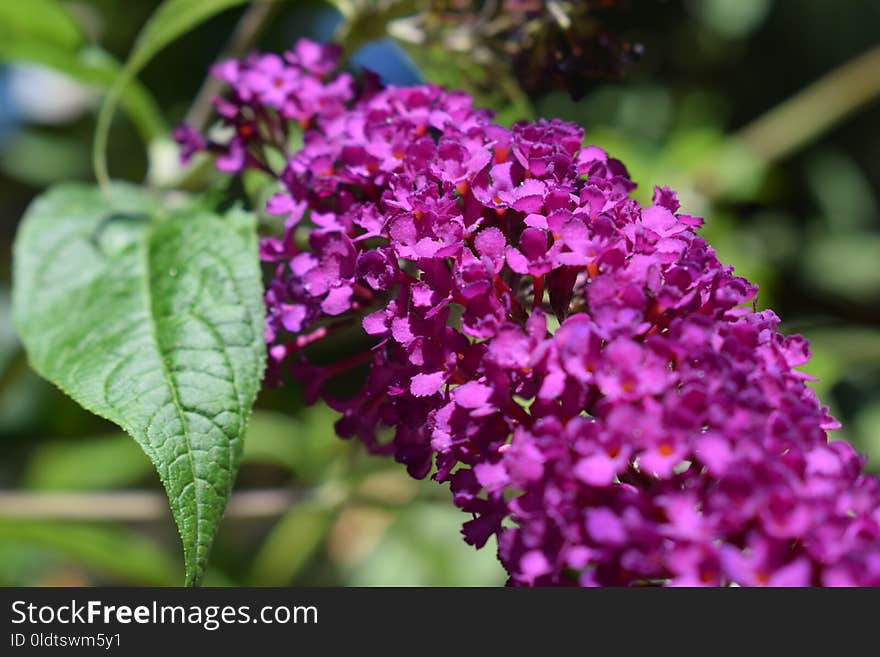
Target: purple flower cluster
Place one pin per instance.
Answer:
(267, 93)
(581, 369)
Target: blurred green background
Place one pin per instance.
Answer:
(789, 183)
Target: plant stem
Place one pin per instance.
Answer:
(132, 506)
(742, 158)
(807, 114)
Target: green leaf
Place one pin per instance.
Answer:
(39, 156)
(91, 66)
(305, 444)
(171, 20)
(843, 264)
(42, 32)
(423, 547)
(293, 542)
(89, 463)
(107, 550)
(867, 424)
(44, 21)
(154, 322)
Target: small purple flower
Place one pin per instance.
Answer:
(190, 141)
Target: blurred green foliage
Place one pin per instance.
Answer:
(805, 227)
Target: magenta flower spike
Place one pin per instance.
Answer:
(593, 383)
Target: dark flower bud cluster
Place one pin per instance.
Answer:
(550, 44)
(582, 370)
